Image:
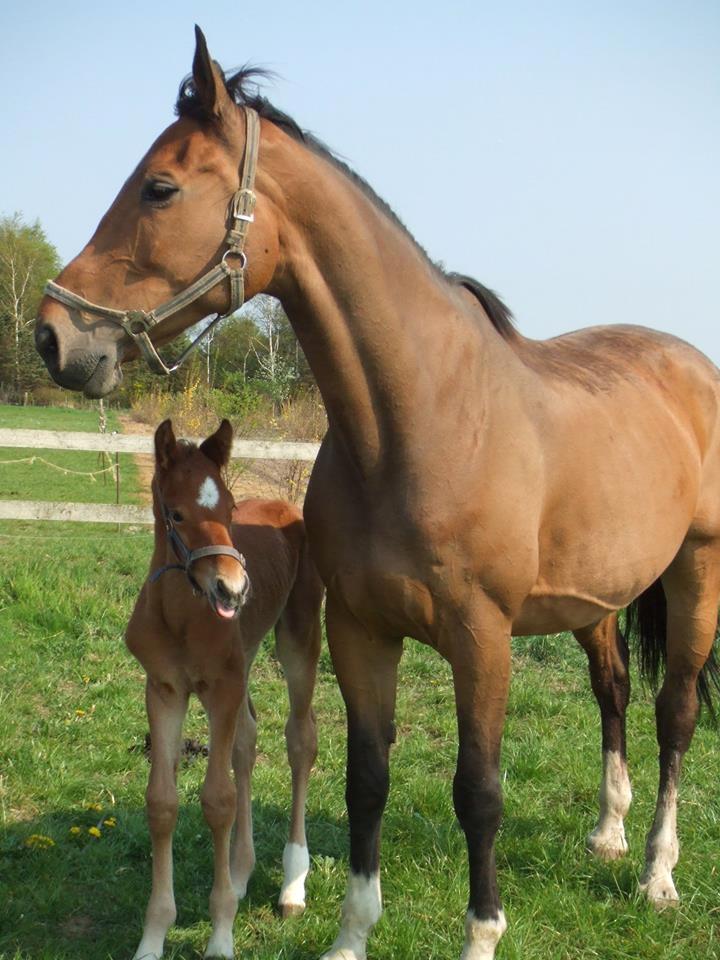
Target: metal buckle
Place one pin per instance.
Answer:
(236, 253)
(137, 322)
(247, 198)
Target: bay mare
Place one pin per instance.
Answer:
(196, 628)
(472, 485)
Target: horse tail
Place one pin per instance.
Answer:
(646, 626)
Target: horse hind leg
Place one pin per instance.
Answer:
(607, 654)
(691, 585)
(298, 636)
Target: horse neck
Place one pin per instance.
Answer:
(383, 331)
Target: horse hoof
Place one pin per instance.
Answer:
(607, 846)
(661, 892)
(291, 910)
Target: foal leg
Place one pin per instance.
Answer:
(298, 649)
(166, 708)
(366, 667)
(607, 654)
(242, 856)
(478, 649)
(692, 585)
(219, 799)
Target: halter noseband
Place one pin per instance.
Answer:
(188, 557)
(138, 323)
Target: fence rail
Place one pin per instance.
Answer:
(122, 443)
(119, 443)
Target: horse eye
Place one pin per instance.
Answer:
(158, 191)
(176, 516)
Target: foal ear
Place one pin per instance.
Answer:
(208, 80)
(165, 445)
(217, 447)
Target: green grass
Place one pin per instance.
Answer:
(72, 719)
(39, 481)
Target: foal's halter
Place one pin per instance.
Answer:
(138, 323)
(188, 557)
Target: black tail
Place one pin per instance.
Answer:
(646, 626)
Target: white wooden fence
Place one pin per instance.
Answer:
(118, 443)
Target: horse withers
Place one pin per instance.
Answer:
(196, 628)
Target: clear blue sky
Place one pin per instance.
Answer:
(566, 154)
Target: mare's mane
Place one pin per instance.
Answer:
(242, 86)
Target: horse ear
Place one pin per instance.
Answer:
(208, 80)
(165, 445)
(217, 447)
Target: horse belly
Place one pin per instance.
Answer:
(599, 553)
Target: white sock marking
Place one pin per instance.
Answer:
(661, 852)
(361, 911)
(482, 936)
(608, 837)
(208, 495)
(296, 863)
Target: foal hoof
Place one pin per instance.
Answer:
(660, 891)
(291, 910)
(610, 845)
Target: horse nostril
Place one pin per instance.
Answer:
(46, 342)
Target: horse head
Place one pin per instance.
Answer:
(177, 219)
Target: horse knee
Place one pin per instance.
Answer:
(368, 776)
(478, 802)
(218, 805)
(301, 741)
(162, 809)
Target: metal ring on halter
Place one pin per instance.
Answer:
(236, 253)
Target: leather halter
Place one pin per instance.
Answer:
(188, 557)
(138, 323)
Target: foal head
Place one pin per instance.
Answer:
(193, 507)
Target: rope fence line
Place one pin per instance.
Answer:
(66, 470)
(105, 444)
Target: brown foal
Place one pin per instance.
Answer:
(473, 484)
(196, 628)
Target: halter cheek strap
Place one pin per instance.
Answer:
(137, 324)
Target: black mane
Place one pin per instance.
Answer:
(243, 88)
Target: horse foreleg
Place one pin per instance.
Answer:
(607, 654)
(242, 857)
(366, 668)
(298, 650)
(219, 799)
(166, 708)
(691, 585)
(477, 644)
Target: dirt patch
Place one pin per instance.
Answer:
(266, 479)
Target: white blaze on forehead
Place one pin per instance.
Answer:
(208, 494)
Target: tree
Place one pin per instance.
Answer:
(27, 261)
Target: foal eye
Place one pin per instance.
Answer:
(158, 191)
(176, 516)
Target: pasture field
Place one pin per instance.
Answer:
(72, 727)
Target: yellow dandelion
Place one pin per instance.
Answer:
(110, 822)
(37, 841)
(86, 679)
(79, 713)
(94, 832)
(93, 806)
(75, 831)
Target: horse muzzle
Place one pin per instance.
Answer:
(91, 368)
